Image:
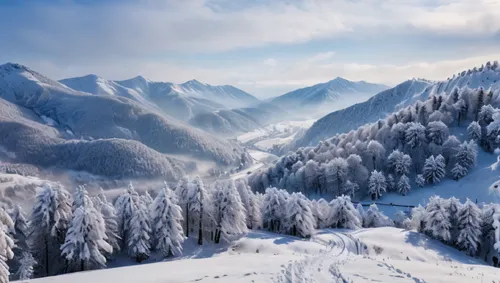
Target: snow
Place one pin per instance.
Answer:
(49, 121)
(330, 254)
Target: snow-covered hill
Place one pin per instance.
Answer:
(377, 107)
(39, 113)
(368, 255)
(335, 94)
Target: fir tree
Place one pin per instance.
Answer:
(300, 219)
(375, 218)
(474, 131)
(138, 233)
(404, 185)
(343, 214)
(420, 181)
(458, 172)
(350, 189)
(469, 228)
(6, 253)
(166, 223)
(108, 212)
(480, 103)
(466, 155)
(434, 169)
(399, 163)
(26, 267)
(376, 185)
(437, 220)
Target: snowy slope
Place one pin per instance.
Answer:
(83, 115)
(377, 107)
(329, 256)
(336, 92)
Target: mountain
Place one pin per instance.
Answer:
(182, 101)
(337, 92)
(388, 101)
(77, 123)
(377, 107)
(240, 120)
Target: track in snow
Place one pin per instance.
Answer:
(324, 266)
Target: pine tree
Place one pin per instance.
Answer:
(6, 253)
(321, 212)
(198, 203)
(455, 95)
(415, 139)
(343, 214)
(487, 229)
(480, 102)
(138, 233)
(350, 189)
(376, 151)
(469, 227)
(124, 207)
(399, 163)
(418, 216)
(85, 239)
(300, 220)
(437, 220)
(376, 185)
(474, 131)
(404, 185)
(336, 175)
(272, 212)
(108, 212)
(19, 233)
(80, 198)
(434, 169)
(466, 155)
(166, 223)
(183, 193)
(230, 215)
(437, 132)
(453, 205)
(458, 172)
(26, 267)
(375, 218)
(420, 181)
(401, 220)
(422, 115)
(49, 222)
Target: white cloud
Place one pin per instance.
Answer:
(271, 62)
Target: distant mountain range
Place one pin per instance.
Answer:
(336, 94)
(113, 132)
(182, 101)
(388, 101)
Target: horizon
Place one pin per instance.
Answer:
(266, 48)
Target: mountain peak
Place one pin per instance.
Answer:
(193, 82)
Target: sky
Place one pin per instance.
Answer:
(265, 47)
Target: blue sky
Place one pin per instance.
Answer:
(266, 47)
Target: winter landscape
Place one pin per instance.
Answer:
(240, 141)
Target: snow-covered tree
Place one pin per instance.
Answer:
(25, 270)
(450, 147)
(416, 142)
(183, 193)
(343, 214)
(19, 232)
(350, 189)
(404, 186)
(85, 239)
(420, 181)
(321, 212)
(399, 163)
(437, 132)
(466, 155)
(399, 220)
(357, 172)
(458, 172)
(199, 203)
(230, 214)
(474, 131)
(336, 174)
(376, 185)
(300, 220)
(124, 207)
(434, 169)
(376, 152)
(375, 218)
(6, 245)
(398, 135)
(437, 220)
(147, 199)
(418, 215)
(81, 198)
(469, 228)
(166, 223)
(50, 217)
(487, 229)
(273, 213)
(251, 206)
(361, 214)
(110, 222)
(138, 232)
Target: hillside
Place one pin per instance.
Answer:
(329, 256)
(70, 114)
(375, 108)
(322, 97)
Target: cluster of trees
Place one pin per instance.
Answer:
(74, 232)
(488, 66)
(468, 227)
(411, 148)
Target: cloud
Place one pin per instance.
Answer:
(270, 62)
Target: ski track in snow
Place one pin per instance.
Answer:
(324, 266)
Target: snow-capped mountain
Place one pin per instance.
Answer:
(336, 92)
(182, 101)
(127, 127)
(377, 107)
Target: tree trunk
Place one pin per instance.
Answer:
(187, 220)
(200, 227)
(46, 256)
(82, 265)
(374, 163)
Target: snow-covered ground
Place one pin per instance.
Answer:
(329, 256)
(275, 134)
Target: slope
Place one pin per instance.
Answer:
(377, 107)
(101, 117)
(336, 93)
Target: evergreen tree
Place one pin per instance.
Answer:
(25, 270)
(375, 218)
(418, 216)
(480, 103)
(361, 214)
(166, 223)
(336, 175)
(85, 239)
(420, 181)
(376, 185)
(434, 169)
(455, 95)
(416, 141)
(474, 131)
(49, 222)
(6, 253)
(343, 214)
(422, 115)
(321, 212)
(350, 189)
(230, 215)
(138, 232)
(487, 229)
(404, 186)
(466, 155)
(437, 220)
(469, 228)
(399, 163)
(300, 220)
(458, 172)
(272, 212)
(124, 207)
(108, 213)
(376, 151)
(199, 203)
(437, 132)
(391, 183)
(183, 193)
